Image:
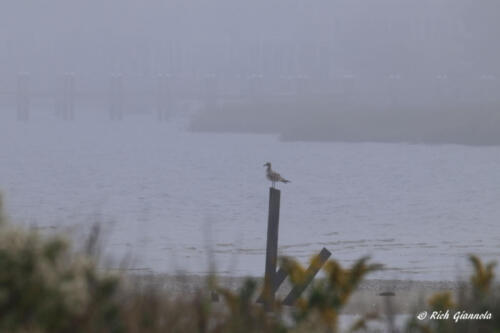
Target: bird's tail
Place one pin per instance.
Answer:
(285, 180)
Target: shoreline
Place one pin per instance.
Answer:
(407, 297)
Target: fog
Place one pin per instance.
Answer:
(237, 57)
(276, 37)
(108, 107)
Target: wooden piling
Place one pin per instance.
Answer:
(278, 279)
(273, 279)
(389, 310)
(271, 248)
(313, 269)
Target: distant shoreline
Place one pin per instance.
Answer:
(331, 120)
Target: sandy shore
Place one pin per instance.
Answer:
(406, 297)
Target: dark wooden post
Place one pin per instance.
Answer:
(273, 279)
(272, 247)
(278, 279)
(313, 269)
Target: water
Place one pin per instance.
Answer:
(175, 200)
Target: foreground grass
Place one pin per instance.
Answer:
(47, 287)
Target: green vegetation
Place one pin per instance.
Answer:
(45, 286)
(480, 296)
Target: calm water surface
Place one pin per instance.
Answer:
(170, 200)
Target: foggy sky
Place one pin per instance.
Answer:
(238, 37)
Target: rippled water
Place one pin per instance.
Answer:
(175, 200)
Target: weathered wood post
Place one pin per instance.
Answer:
(311, 271)
(272, 278)
(389, 310)
(278, 279)
(271, 248)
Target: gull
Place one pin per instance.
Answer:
(273, 176)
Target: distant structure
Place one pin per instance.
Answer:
(65, 101)
(255, 86)
(23, 97)
(163, 97)
(302, 85)
(210, 92)
(273, 176)
(116, 97)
